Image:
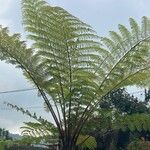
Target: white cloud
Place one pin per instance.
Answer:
(4, 6)
(6, 122)
(15, 129)
(5, 22)
(11, 125)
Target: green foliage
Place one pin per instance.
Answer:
(125, 103)
(28, 141)
(86, 141)
(40, 128)
(5, 144)
(4, 134)
(139, 146)
(135, 122)
(119, 119)
(35, 132)
(67, 49)
(120, 110)
(42, 123)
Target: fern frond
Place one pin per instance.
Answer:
(135, 122)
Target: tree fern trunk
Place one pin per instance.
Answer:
(68, 144)
(67, 147)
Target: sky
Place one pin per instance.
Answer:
(102, 15)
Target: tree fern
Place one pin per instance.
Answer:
(71, 66)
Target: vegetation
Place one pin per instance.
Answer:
(139, 146)
(5, 139)
(119, 120)
(24, 143)
(4, 134)
(5, 144)
(111, 125)
(125, 103)
(72, 67)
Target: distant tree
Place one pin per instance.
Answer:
(0, 132)
(4, 134)
(126, 103)
(119, 114)
(7, 135)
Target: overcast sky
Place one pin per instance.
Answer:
(103, 15)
